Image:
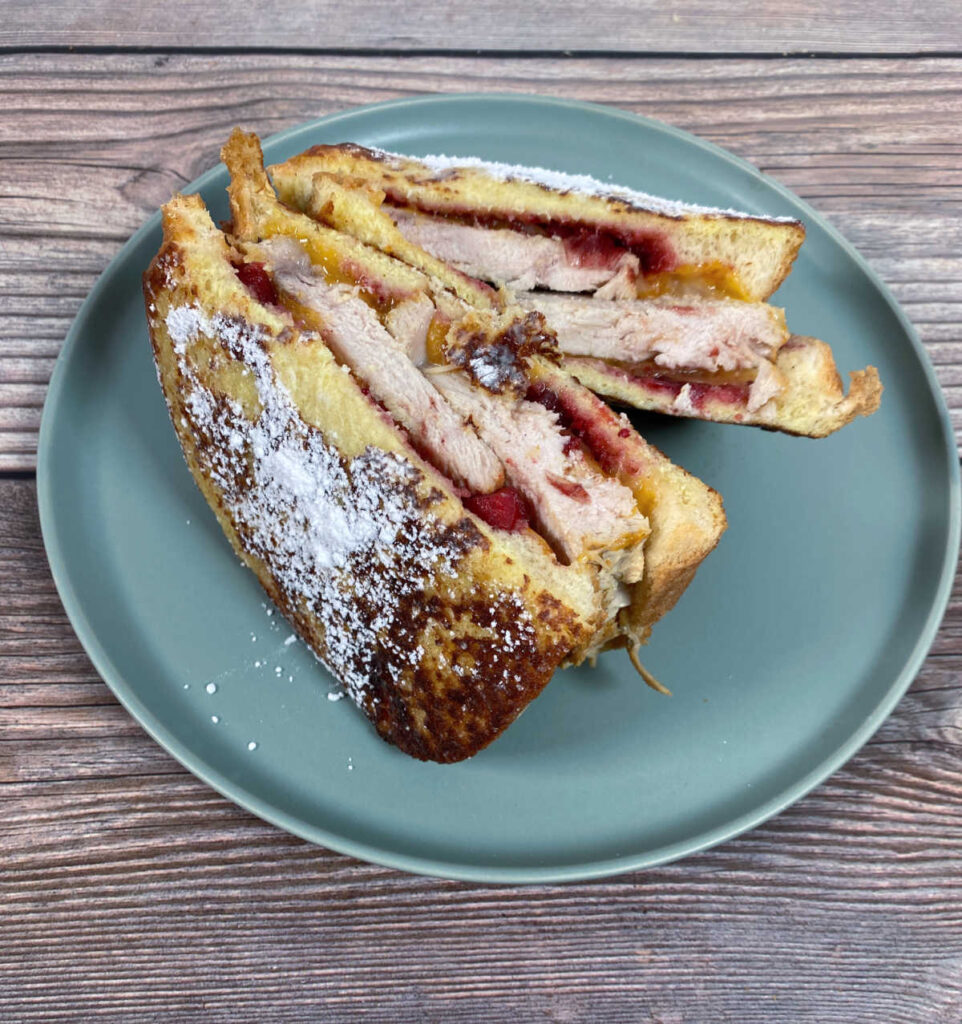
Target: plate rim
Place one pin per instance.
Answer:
(577, 870)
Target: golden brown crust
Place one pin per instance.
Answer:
(451, 635)
(812, 402)
(249, 186)
(686, 527)
(758, 251)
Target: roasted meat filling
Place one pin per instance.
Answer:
(514, 462)
(510, 257)
(578, 509)
(358, 338)
(695, 339)
(711, 341)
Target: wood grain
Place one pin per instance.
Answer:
(91, 145)
(716, 26)
(129, 888)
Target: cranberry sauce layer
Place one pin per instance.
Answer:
(587, 245)
(589, 422)
(651, 369)
(699, 393)
(504, 509)
(258, 282)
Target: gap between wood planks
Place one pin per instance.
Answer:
(454, 52)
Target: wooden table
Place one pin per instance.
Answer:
(131, 891)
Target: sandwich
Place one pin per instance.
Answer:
(655, 304)
(445, 514)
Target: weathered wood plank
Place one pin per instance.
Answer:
(90, 146)
(129, 887)
(610, 25)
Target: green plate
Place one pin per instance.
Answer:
(794, 642)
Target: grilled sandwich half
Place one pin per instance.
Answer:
(442, 512)
(655, 304)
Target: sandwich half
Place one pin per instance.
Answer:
(655, 304)
(441, 511)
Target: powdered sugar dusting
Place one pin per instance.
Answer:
(580, 184)
(495, 367)
(318, 522)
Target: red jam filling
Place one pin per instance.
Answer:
(661, 386)
(256, 279)
(592, 249)
(569, 488)
(586, 247)
(699, 393)
(733, 394)
(504, 509)
(598, 436)
(586, 244)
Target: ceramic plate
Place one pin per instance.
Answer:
(795, 640)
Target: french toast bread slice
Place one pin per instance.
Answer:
(810, 403)
(440, 628)
(744, 256)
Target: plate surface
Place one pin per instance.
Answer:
(795, 640)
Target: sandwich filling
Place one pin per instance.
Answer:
(359, 340)
(577, 508)
(527, 252)
(520, 260)
(462, 399)
(711, 342)
(596, 296)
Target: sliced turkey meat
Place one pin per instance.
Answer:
(508, 257)
(408, 323)
(710, 335)
(578, 509)
(358, 339)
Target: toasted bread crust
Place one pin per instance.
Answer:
(440, 629)
(759, 251)
(812, 402)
